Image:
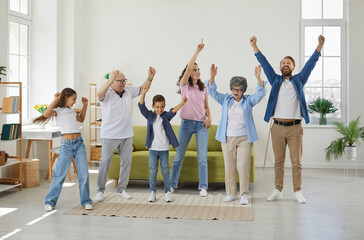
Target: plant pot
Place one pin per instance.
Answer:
(350, 153)
(323, 119)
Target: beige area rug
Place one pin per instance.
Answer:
(184, 206)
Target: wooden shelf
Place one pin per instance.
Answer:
(9, 183)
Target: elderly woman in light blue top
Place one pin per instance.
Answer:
(236, 130)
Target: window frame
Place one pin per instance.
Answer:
(24, 20)
(342, 23)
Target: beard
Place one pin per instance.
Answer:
(287, 73)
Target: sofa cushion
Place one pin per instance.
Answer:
(140, 135)
(213, 144)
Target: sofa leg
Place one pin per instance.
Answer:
(116, 182)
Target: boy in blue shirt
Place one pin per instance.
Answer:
(159, 136)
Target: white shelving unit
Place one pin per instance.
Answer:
(9, 183)
(94, 112)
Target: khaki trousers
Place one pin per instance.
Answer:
(281, 137)
(237, 156)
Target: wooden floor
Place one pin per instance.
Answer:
(334, 210)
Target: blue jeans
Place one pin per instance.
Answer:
(189, 127)
(153, 169)
(69, 149)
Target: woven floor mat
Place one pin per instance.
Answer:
(183, 206)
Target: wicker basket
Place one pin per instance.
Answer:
(30, 170)
(95, 153)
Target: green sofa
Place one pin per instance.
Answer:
(189, 171)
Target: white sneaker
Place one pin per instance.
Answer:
(169, 197)
(124, 194)
(299, 197)
(88, 207)
(172, 190)
(244, 199)
(99, 197)
(48, 208)
(203, 192)
(275, 195)
(230, 198)
(151, 197)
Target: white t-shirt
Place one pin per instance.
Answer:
(160, 141)
(288, 105)
(66, 120)
(116, 113)
(236, 124)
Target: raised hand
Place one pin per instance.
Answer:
(200, 46)
(321, 41)
(114, 74)
(213, 70)
(253, 40)
(84, 101)
(151, 73)
(258, 71)
(145, 90)
(57, 95)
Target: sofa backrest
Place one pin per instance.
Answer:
(140, 134)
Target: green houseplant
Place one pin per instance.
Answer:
(351, 134)
(322, 106)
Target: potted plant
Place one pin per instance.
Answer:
(322, 106)
(351, 134)
(2, 71)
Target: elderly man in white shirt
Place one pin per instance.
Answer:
(117, 128)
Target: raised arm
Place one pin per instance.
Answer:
(311, 62)
(144, 91)
(212, 88)
(253, 42)
(49, 111)
(321, 41)
(103, 89)
(81, 117)
(257, 72)
(189, 68)
(261, 91)
(148, 82)
(178, 107)
(143, 109)
(268, 70)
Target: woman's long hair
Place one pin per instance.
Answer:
(67, 92)
(200, 84)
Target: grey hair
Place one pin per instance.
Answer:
(238, 81)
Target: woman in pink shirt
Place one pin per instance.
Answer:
(196, 119)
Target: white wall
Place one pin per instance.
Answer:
(132, 35)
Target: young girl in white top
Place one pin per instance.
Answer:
(71, 146)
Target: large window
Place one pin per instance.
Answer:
(19, 24)
(328, 79)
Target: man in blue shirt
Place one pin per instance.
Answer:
(287, 105)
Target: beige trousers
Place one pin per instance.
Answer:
(237, 156)
(281, 137)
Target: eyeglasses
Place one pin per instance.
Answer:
(236, 90)
(121, 81)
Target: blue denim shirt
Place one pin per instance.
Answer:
(166, 117)
(227, 100)
(299, 80)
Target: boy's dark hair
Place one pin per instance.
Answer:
(290, 58)
(158, 98)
